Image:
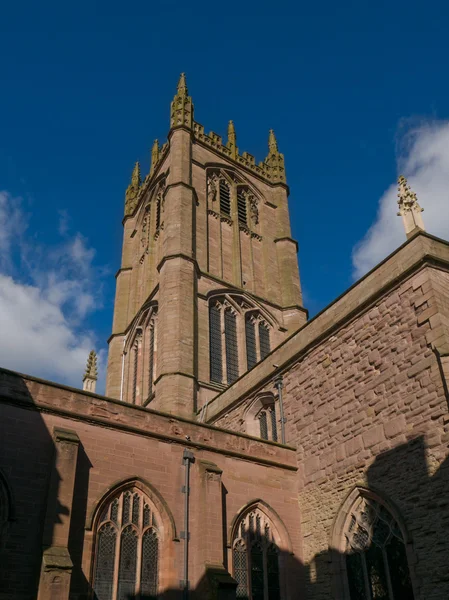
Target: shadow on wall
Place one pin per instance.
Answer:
(406, 496)
(27, 452)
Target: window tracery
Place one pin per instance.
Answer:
(256, 558)
(376, 560)
(140, 359)
(127, 548)
(235, 198)
(236, 329)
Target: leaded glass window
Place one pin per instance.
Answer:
(268, 424)
(256, 559)
(264, 340)
(251, 353)
(232, 357)
(263, 425)
(151, 356)
(376, 560)
(135, 370)
(216, 369)
(127, 549)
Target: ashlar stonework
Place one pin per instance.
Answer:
(176, 484)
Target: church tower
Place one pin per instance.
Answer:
(209, 280)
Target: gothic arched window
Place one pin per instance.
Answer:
(140, 353)
(236, 329)
(256, 558)
(126, 548)
(376, 560)
(268, 423)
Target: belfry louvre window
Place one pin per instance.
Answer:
(241, 206)
(256, 559)
(126, 549)
(225, 198)
(376, 561)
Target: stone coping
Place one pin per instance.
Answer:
(77, 405)
(419, 250)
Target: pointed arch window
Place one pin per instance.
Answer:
(140, 359)
(242, 208)
(232, 356)
(127, 548)
(268, 423)
(256, 558)
(376, 560)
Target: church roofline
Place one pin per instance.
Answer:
(33, 393)
(420, 250)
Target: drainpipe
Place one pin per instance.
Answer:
(278, 384)
(187, 459)
(123, 369)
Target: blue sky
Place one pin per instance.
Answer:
(354, 91)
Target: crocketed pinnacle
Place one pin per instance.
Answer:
(232, 139)
(154, 156)
(91, 366)
(135, 177)
(272, 143)
(182, 85)
(409, 209)
(181, 110)
(132, 190)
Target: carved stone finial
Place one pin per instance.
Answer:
(275, 160)
(132, 190)
(91, 373)
(232, 140)
(181, 113)
(154, 156)
(272, 142)
(409, 209)
(182, 85)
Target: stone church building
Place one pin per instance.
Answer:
(241, 450)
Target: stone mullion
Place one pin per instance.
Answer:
(118, 547)
(365, 577)
(387, 573)
(139, 528)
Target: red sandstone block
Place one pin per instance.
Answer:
(395, 426)
(373, 436)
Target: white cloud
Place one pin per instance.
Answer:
(424, 159)
(43, 306)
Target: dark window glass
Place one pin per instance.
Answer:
(216, 372)
(128, 564)
(158, 212)
(399, 573)
(274, 431)
(232, 359)
(376, 573)
(355, 577)
(273, 573)
(263, 425)
(146, 515)
(114, 511)
(150, 562)
(241, 570)
(225, 198)
(251, 355)
(126, 508)
(151, 360)
(257, 575)
(105, 559)
(264, 337)
(135, 369)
